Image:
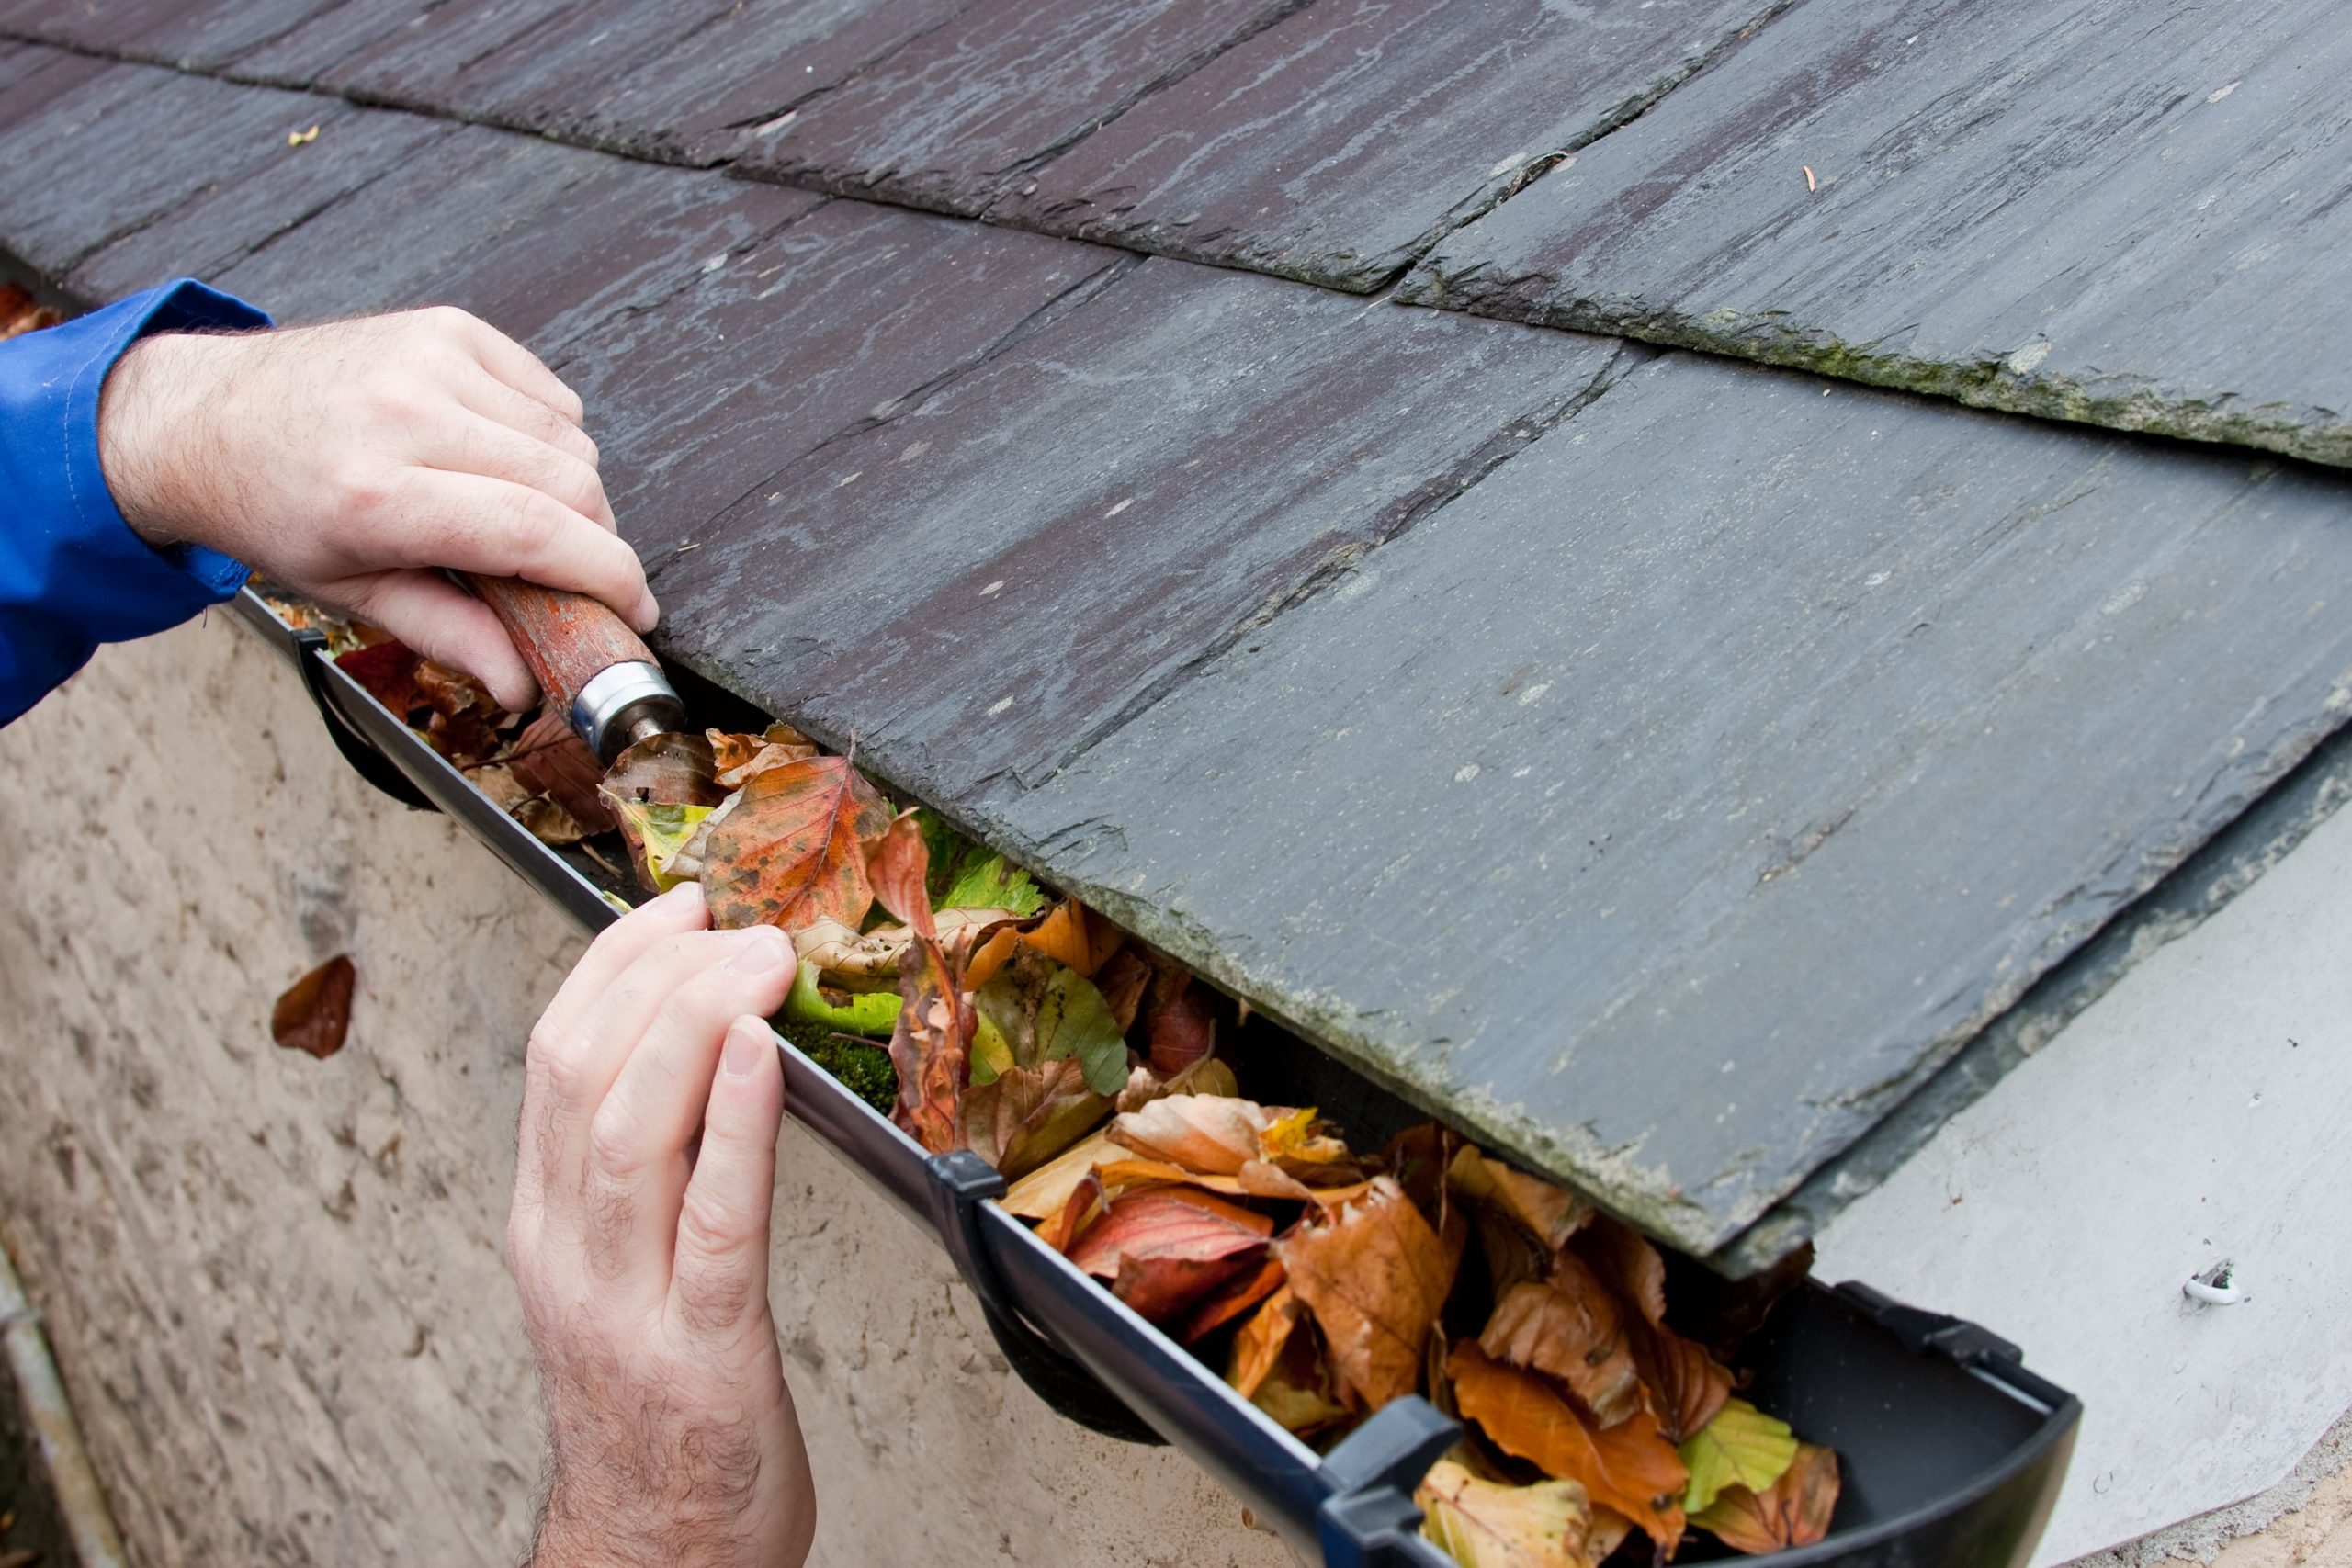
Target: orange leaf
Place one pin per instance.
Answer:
(1259, 1344)
(1081, 1209)
(792, 850)
(1793, 1511)
(1627, 1466)
(315, 1011)
(737, 759)
(1567, 1326)
(1065, 933)
(1231, 1300)
(1549, 1213)
(1375, 1276)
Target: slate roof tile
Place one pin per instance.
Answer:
(2126, 214)
(980, 583)
(1337, 146)
(1673, 802)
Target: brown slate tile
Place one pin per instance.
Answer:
(1335, 146)
(991, 576)
(2137, 216)
(766, 354)
(945, 121)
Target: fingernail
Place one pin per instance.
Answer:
(649, 613)
(747, 1042)
(765, 948)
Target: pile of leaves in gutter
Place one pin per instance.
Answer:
(981, 1011)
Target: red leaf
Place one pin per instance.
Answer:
(1165, 1246)
(1230, 1301)
(316, 1009)
(792, 850)
(388, 671)
(899, 866)
(1183, 1032)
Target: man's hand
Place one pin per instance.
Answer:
(350, 461)
(643, 1259)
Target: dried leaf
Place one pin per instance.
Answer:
(1375, 1276)
(1795, 1511)
(736, 760)
(1232, 1299)
(1741, 1447)
(931, 1042)
(388, 669)
(1042, 1192)
(1208, 1075)
(793, 850)
(670, 769)
(1259, 1344)
(549, 760)
(315, 1010)
(1025, 1116)
(1085, 1204)
(1067, 932)
(1122, 982)
(1550, 1214)
(1567, 1326)
(657, 837)
(1165, 1247)
(1719, 1312)
(550, 823)
(1213, 1135)
(1183, 1030)
(1482, 1524)
(866, 958)
(1627, 1466)
(1686, 1385)
(1044, 1010)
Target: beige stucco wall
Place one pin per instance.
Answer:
(274, 1283)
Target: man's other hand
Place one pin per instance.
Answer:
(643, 1258)
(353, 460)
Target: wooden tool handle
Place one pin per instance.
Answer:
(566, 638)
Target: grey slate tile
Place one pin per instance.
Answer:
(978, 583)
(1675, 800)
(764, 355)
(2084, 209)
(212, 232)
(945, 121)
(207, 33)
(1335, 146)
(124, 146)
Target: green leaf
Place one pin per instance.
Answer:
(863, 1012)
(1045, 1011)
(991, 1054)
(966, 875)
(1741, 1447)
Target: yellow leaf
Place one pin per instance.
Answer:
(1481, 1523)
(1741, 1447)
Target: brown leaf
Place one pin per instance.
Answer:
(1567, 1326)
(1208, 1075)
(1418, 1158)
(1375, 1276)
(1122, 982)
(930, 1045)
(1083, 1206)
(1259, 1344)
(1721, 1313)
(1025, 1116)
(1183, 1030)
(735, 759)
(669, 768)
(1232, 1299)
(1627, 1466)
(1794, 1511)
(793, 850)
(1550, 1214)
(550, 823)
(388, 671)
(315, 1011)
(549, 760)
(1164, 1247)
(1686, 1385)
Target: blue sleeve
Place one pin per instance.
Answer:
(72, 573)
